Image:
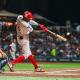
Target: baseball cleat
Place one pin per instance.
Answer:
(39, 70)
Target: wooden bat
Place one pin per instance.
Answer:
(57, 35)
(21, 30)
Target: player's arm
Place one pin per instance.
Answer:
(27, 15)
(24, 23)
(28, 26)
(44, 29)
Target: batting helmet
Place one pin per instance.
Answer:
(27, 15)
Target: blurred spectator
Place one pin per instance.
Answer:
(12, 48)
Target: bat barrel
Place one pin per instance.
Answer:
(57, 35)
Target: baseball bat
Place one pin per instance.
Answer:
(57, 35)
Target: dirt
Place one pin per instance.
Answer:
(58, 73)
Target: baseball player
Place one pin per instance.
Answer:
(26, 21)
(4, 61)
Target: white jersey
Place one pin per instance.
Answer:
(26, 28)
(24, 43)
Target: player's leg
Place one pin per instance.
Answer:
(28, 55)
(13, 62)
(34, 62)
(18, 59)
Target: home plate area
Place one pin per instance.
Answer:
(63, 73)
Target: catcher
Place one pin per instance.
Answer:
(4, 61)
(24, 27)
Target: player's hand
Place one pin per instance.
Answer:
(43, 27)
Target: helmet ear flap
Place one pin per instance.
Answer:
(27, 15)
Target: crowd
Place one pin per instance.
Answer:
(42, 43)
(65, 50)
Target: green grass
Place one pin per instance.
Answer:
(62, 65)
(28, 66)
(33, 78)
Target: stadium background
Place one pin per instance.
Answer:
(55, 10)
(61, 17)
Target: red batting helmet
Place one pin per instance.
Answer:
(27, 15)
